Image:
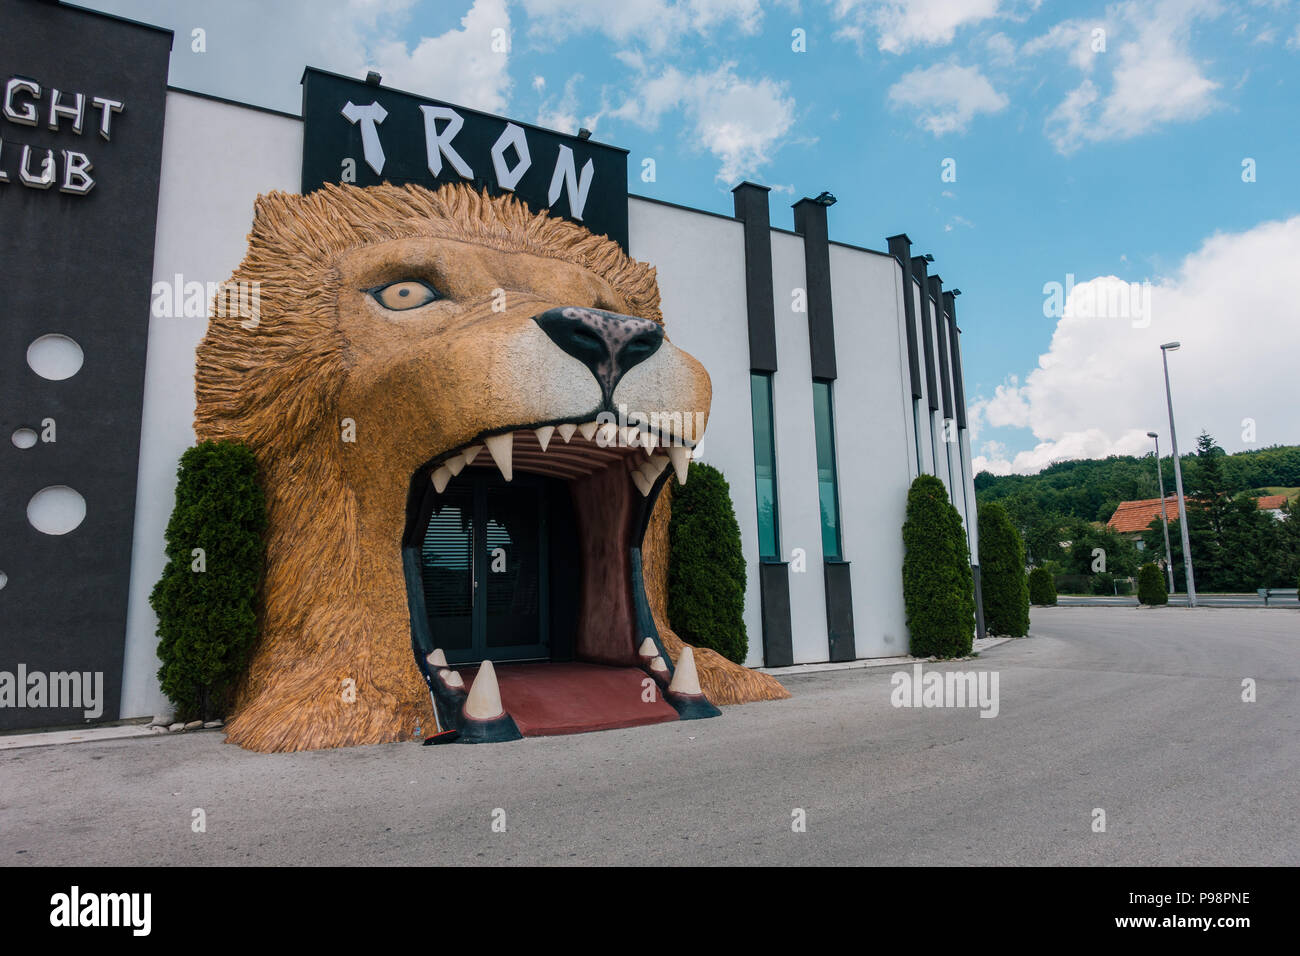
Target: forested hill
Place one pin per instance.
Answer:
(1091, 489)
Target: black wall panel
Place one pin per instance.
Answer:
(79, 266)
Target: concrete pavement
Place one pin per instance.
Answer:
(1136, 712)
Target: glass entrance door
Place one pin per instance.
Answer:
(484, 570)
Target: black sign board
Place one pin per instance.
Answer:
(82, 99)
(366, 134)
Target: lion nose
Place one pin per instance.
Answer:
(607, 343)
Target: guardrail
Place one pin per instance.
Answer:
(1267, 593)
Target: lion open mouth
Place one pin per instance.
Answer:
(525, 545)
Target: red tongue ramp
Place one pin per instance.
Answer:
(551, 699)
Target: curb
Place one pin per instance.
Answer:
(795, 670)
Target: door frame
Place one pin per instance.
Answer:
(423, 638)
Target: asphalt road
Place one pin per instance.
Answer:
(1136, 712)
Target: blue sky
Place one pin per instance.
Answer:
(1112, 156)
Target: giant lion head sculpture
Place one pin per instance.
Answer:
(405, 340)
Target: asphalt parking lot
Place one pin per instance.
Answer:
(1138, 713)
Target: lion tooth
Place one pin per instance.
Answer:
(502, 447)
(631, 437)
(566, 431)
(437, 658)
(657, 463)
(440, 479)
(658, 664)
(642, 485)
(455, 464)
(648, 649)
(685, 679)
(680, 457)
(607, 435)
(649, 441)
(544, 435)
(588, 429)
(484, 700)
(470, 453)
(452, 678)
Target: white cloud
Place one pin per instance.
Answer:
(257, 50)
(948, 96)
(562, 113)
(1293, 41)
(1002, 52)
(900, 25)
(655, 23)
(1077, 37)
(1154, 79)
(460, 65)
(740, 121)
(1099, 388)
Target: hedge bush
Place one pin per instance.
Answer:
(1042, 589)
(938, 585)
(1003, 585)
(706, 567)
(1151, 585)
(206, 597)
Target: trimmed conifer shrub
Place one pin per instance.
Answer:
(1151, 585)
(1003, 585)
(206, 597)
(938, 585)
(706, 566)
(1042, 589)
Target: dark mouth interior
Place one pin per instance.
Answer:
(545, 566)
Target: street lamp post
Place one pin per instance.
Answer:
(1178, 478)
(1164, 518)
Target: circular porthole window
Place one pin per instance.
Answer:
(55, 357)
(23, 438)
(56, 510)
(4, 579)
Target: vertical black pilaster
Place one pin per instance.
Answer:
(751, 209)
(774, 589)
(954, 335)
(839, 610)
(773, 576)
(920, 270)
(810, 222)
(900, 247)
(941, 345)
(980, 633)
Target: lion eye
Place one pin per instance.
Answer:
(404, 294)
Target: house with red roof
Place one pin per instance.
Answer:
(1132, 518)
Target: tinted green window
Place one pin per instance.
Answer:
(760, 389)
(827, 487)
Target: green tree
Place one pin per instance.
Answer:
(938, 585)
(706, 568)
(1151, 586)
(1042, 588)
(1286, 538)
(1004, 587)
(1096, 549)
(206, 597)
